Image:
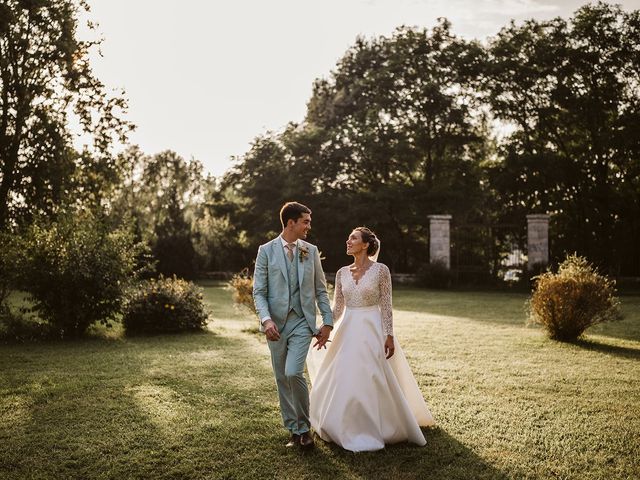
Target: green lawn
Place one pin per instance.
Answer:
(509, 402)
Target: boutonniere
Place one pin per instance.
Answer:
(303, 252)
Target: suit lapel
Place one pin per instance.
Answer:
(278, 251)
(300, 264)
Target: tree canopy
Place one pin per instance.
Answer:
(45, 79)
(570, 89)
(541, 118)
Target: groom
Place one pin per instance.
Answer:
(288, 281)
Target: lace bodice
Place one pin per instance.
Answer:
(374, 288)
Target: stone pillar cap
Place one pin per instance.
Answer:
(440, 217)
(538, 216)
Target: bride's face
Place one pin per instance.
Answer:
(355, 245)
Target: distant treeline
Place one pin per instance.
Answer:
(544, 117)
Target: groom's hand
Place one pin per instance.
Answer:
(323, 337)
(270, 330)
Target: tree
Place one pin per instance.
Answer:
(403, 136)
(163, 196)
(393, 134)
(172, 247)
(45, 76)
(264, 180)
(570, 90)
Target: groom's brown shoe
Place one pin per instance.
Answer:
(293, 441)
(306, 440)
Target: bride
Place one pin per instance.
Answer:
(363, 393)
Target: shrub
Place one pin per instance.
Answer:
(164, 305)
(530, 275)
(435, 275)
(9, 258)
(241, 286)
(17, 327)
(570, 301)
(75, 269)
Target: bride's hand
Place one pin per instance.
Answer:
(322, 337)
(389, 347)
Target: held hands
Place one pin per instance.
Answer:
(323, 337)
(389, 347)
(270, 330)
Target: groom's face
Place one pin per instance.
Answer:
(301, 226)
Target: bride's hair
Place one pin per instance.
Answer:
(369, 237)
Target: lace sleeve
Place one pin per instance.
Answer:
(385, 300)
(338, 298)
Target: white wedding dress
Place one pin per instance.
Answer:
(359, 399)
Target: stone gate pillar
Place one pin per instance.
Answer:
(439, 239)
(537, 240)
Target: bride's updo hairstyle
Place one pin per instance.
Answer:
(369, 237)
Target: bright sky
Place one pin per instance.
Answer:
(204, 78)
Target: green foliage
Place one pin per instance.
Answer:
(17, 327)
(45, 73)
(8, 260)
(435, 275)
(404, 126)
(568, 90)
(219, 244)
(166, 198)
(241, 286)
(570, 301)
(391, 129)
(75, 269)
(173, 247)
(164, 305)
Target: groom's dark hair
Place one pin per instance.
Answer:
(292, 211)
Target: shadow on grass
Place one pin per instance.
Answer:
(503, 308)
(180, 406)
(619, 351)
(442, 458)
(170, 406)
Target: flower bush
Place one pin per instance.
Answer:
(164, 305)
(241, 286)
(570, 301)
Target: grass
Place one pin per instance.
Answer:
(509, 403)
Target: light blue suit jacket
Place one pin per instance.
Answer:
(271, 284)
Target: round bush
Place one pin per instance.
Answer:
(164, 305)
(570, 301)
(75, 269)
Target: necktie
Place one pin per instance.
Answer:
(290, 247)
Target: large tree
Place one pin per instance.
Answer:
(570, 92)
(45, 77)
(404, 136)
(393, 134)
